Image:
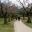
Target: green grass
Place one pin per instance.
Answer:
(28, 24)
(6, 28)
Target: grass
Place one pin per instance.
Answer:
(28, 24)
(6, 28)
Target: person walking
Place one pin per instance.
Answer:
(19, 18)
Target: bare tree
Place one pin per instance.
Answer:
(28, 14)
(13, 10)
(27, 11)
(23, 8)
(4, 12)
(7, 10)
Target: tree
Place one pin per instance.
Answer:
(4, 12)
(13, 10)
(28, 15)
(7, 10)
(27, 11)
(23, 8)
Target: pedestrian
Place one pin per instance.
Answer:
(18, 18)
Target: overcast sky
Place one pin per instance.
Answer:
(14, 1)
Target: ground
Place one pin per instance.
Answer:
(14, 26)
(20, 27)
(25, 21)
(6, 28)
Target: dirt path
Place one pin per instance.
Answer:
(20, 27)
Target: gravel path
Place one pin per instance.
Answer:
(20, 27)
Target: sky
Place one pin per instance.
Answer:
(16, 2)
(13, 1)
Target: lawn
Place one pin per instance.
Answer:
(29, 24)
(6, 28)
(25, 22)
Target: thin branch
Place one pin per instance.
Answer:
(20, 3)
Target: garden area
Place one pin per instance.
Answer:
(25, 21)
(9, 27)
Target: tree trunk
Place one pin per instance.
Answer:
(12, 17)
(9, 19)
(23, 16)
(29, 20)
(5, 20)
